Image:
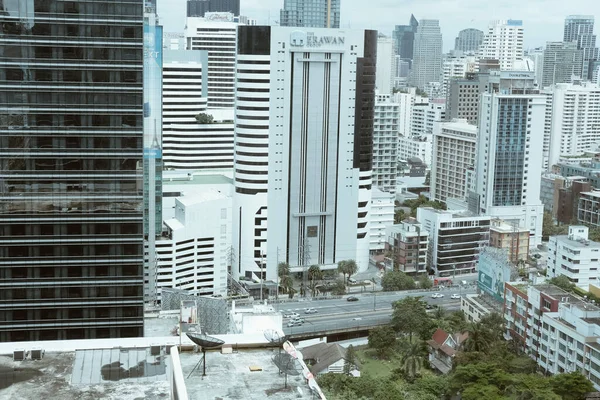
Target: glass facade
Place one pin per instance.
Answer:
(311, 13)
(71, 196)
(510, 152)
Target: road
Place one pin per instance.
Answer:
(369, 310)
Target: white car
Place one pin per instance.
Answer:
(455, 296)
(291, 314)
(310, 311)
(437, 296)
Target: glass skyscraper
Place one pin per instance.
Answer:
(71, 187)
(311, 13)
(580, 29)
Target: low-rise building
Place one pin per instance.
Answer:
(588, 210)
(574, 256)
(510, 237)
(474, 308)
(323, 358)
(515, 312)
(408, 243)
(455, 237)
(442, 349)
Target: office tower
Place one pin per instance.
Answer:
(468, 40)
(462, 98)
(385, 65)
(427, 56)
(310, 13)
(385, 144)
(215, 33)
(503, 41)
(404, 36)
(562, 63)
(575, 120)
(454, 147)
(197, 8)
(71, 260)
(303, 157)
(456, 64)
(580, 29)
(509, 160)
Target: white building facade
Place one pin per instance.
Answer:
(386, 65)
(454, 153)
(503, 41)
(382, 217)
(574, 256)
(303, 158)
(385, 144)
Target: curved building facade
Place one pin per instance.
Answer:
(303, 148)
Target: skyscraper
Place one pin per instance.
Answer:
(310, 13)
(303, 155)
(503, 41)
(580, 29)
(562, 62)
(404, 35)
(197, 8)
(427, 56)
(386, 65)
(385, 143)
(71, 257)
(468, 40)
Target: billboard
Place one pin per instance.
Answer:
(494, 270)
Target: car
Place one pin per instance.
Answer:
(455, 296)
(429, 307)
(437, 296)
(310, 311)
(357, 319)
(294, 323)
(352, 298)
(297, 319)
(351, 280)
(291, 314)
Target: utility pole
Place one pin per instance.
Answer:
(261, 277)
(277, 292)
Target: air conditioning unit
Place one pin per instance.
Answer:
(37, 354)
(19, 355)
(155, 350)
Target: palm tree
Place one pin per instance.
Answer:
(287, 283)
(341, 268)
(412, 359)
(480, 338)
(314, 274)
(283, 269)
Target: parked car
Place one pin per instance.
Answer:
(351, 280)
(291, 314)
(455, 296)
(429, 307)
(310, 311)
(294, 322)
(352, 298)
(437, 296)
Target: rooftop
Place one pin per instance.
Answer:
(579, 243)
(177, 178)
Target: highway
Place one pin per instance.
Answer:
(370, 310)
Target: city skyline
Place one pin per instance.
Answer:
(454, 15)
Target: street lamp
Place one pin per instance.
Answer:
(374, 295)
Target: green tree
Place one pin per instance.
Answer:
(425, 282)
(412, 359)
(204, 118)
(382, 340)
(562, 282)
(399, 216)
(338, 288)
(410, 317)
(572, 386)
(350, 361)
(283, 269)
(397, 280)
(314, 275)
(456, 321)
(480, 338)
(531, 387)
(347, 267)
(549, 228)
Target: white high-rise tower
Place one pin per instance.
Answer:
(503, 41)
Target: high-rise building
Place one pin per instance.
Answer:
(72, 134)
(537, 56)
(303, 156)
(385, 144)
(386, 67)
(580, 29)
(509, 161)
(562, 63)
(216, 34)
(310, 13)
(468, 40)
(427, 56)
(404, 36)
(197, 8)
(574, 120)
(503, 41)
(454, 146)
(456, 64)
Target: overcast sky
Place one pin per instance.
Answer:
(543, 20)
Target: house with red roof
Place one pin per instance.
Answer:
(442, 349)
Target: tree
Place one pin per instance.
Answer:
(338, 288)
(350, 361)
(204, 118)
(347, 267)
(412, 360)
(283, 269)
(314, 274)
(410, 317)
(399, 216)
(572, 386)
(549, 228)
(480, 338)
(562, 282)
(382, 339)
(425, 282)
(397, 280)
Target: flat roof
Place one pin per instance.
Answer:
(180, 179)
(580, 243)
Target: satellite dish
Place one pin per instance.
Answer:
(286, 364)
(205, 341)
(274, 336)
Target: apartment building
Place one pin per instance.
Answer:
(503, 41)
(588, 211)
(408, 243)
(511, 238)
(382, 217)
(385, 144)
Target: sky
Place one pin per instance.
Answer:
(543, 20)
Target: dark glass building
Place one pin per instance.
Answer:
(404, 35)
(197, 8)
(71, 188)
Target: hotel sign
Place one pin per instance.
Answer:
(303, 39)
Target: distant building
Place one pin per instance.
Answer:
(408, 243)
(562, 63)
(425, 114)
(386, 65)
(310, 13)
(456, 65)
(382, 217)
(456, 239)
(580, 29)
(587, 170)
(575, 256)
(404, 36)
(511, 238)
(427, 55)
(197, 8)
(568, 199)
(443, 348)
(468, 40)
(415, 147)
(323, 358)
(588, 211)
(503, 41)
(385, 144)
